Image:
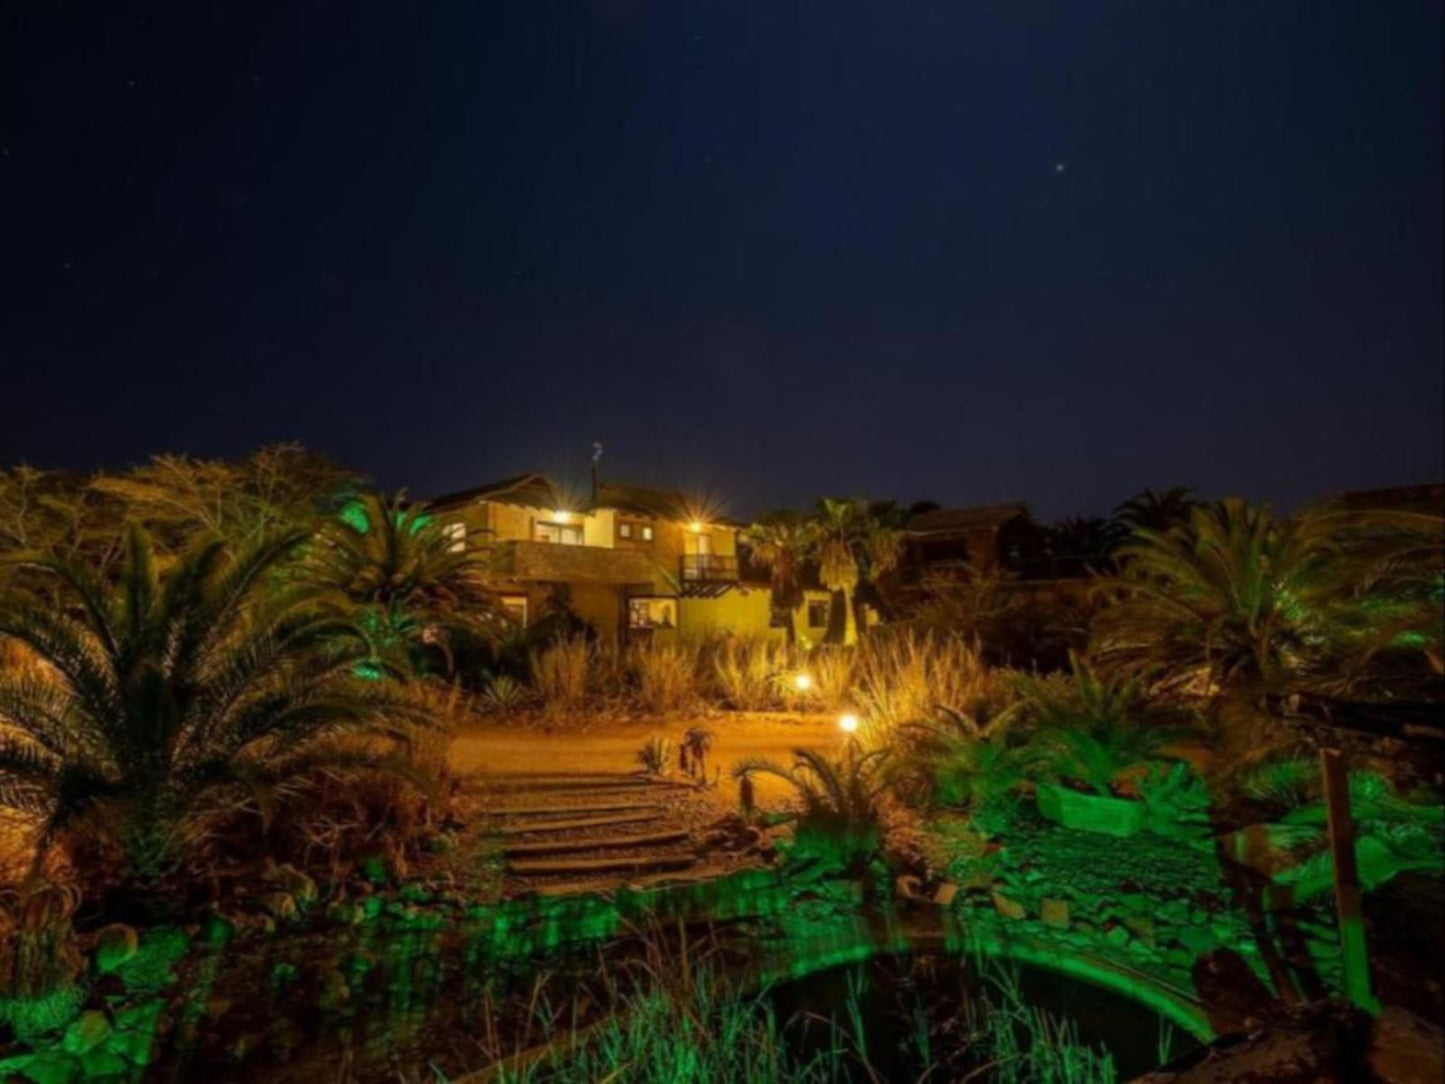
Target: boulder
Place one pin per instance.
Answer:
(946, 894)
(1007, 907)
(1055, 913)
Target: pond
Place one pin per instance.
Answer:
(947, 1016)
(437, 1006)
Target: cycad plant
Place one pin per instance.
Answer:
(841, 817)
(164, 692)
(969, 762)
(412, 583)
(1093, 728)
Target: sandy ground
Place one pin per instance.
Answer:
(612, 745)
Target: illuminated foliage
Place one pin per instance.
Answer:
(169, 689)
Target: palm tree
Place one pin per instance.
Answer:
(165, 691)
(411, 580)
(1149, 510)
(781, 542)
(1236, 604)
(853, 545)
(1234, 597)
(1078, 545)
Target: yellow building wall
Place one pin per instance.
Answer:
(743, 611)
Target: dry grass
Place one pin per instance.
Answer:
(751, 674)
(904, 678)
(560, 675)
(664, 676)
(831, 669)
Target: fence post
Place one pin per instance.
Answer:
(1349, 911)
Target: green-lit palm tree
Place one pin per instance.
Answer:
(412, 580)
(163, 692)
(842, 812)
(781, 542)
(853, 544)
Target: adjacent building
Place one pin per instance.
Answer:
(632, 562)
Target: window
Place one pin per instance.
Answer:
(516, 608)
(647, 532)
(562, 534)
(651, 613)
(634, 530)
(818, 615)
(624, 530)
(456, 535)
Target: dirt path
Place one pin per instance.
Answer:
(613, 746)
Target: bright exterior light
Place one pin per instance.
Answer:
(561, 516)
(848, 723)
(695, 526)
(802, 682)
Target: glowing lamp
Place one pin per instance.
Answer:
(695, 526)
(561, 516)
(847, 723)
(802, 682)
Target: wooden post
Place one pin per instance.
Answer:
(1349, 911)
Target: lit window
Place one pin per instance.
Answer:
(516, 608)
(456, 535)
(646, 533)
(818, 615)
(624, 530)
(560, 533)
(651, 613)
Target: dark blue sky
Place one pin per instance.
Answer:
(965, 251)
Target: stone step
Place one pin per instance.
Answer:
(526, 827)
(553, 809)
(552, 867)
(605, 843)
(589, 784)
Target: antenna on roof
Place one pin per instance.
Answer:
(596, 455)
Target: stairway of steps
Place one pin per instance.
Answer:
(558, 832)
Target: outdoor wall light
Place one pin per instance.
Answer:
(802, 682)
(695, 526)
(561, 516)
(847, 723)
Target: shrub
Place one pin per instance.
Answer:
(841, 820)
(560, 672)
(664, 675)
(655, 756)
(750, 673)
(903, 678)
(831, 669)
(504, 695)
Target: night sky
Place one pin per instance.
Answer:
(950, 250)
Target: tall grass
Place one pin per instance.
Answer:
(751, 673)
(560, 674)
(664, 675)
(831, 669)
(903, 678)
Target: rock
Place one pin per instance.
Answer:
(1405, 1049)
(1197, 939)
(946, 894)
(1054, 913)
(1141, 927)
(1007, 907)
(86, 1033)
(114, 945)
(906, 887)
(1116, 935)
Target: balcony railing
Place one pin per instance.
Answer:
(708, 568)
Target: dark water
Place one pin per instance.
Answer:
(915, 1014)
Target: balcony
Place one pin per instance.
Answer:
(707, 574)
